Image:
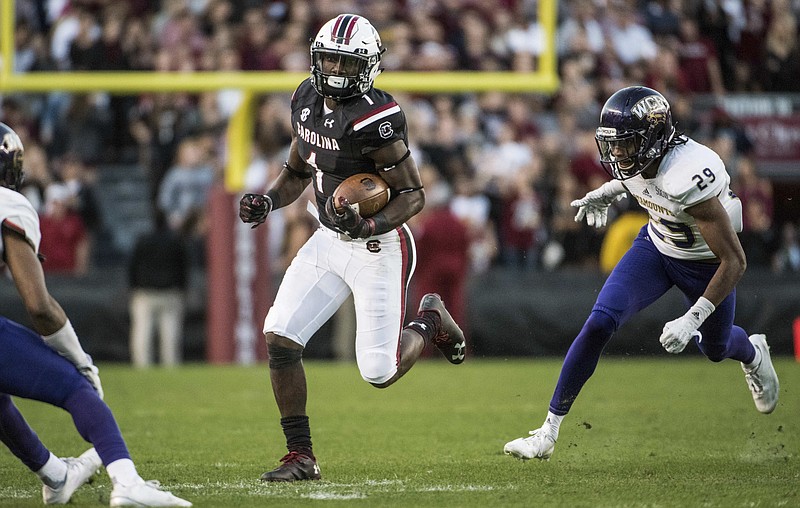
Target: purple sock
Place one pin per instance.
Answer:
(739, 346)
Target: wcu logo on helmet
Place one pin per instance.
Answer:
(635, 131)
(345, 57)
(654, 108)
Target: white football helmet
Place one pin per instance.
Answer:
(345, 56)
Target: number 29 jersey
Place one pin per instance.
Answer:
(335, 144)
(689, 174)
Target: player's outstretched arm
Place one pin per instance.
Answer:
(47, 315)
(594, 205)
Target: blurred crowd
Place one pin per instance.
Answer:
(505, 166)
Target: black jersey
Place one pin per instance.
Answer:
(335, 145)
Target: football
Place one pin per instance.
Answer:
(367, 193)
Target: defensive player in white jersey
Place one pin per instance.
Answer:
(342, 126)
(49, 365)
(689, 242)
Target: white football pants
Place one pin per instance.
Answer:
(325, 272)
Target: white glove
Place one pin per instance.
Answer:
(65, 342)
(678, 332)
(594, 205)
(92, 374)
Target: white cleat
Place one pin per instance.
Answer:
(762, 379)
(539, 446)
(144, 493)
(79, 470)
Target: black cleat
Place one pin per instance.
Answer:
(449, 338)
(295, 467)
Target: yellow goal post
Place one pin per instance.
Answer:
(240, 129)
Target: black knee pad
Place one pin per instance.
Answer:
(281, 357)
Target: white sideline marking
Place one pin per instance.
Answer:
(323, 496)
(456, 488)
(15, 493)
(324, 490)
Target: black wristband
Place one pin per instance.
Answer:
(380, 224)
(274, 197)
(296, 173)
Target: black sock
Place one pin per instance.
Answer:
(426, 324)
(298, 434)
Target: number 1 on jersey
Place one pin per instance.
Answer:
(312, 161)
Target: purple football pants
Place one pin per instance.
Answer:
(640, 278)
(31, 370)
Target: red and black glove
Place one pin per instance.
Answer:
(348, 220)
(254, 208)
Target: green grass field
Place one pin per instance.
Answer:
(645, 432)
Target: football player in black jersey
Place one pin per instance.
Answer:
(341, 126)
